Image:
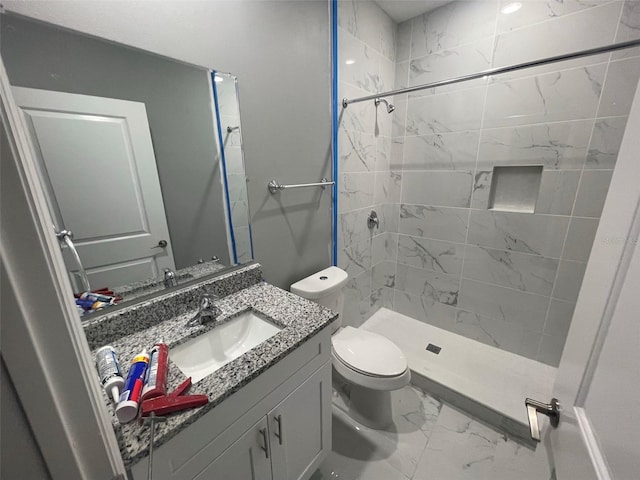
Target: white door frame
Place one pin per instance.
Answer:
(43, 342)
(606, 271)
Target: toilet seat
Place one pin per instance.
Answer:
(369, 360)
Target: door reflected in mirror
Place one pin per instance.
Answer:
(140, 156)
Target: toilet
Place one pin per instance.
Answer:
(372, 365)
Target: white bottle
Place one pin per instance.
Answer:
(109, 371)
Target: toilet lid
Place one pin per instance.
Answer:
(368, 352)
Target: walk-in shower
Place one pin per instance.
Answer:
(489, 178)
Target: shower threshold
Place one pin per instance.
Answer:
(484, 381)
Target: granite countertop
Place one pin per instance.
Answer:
(299, 318)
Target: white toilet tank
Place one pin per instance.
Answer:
(326, 288)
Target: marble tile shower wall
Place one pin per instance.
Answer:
(367, 179)
(236, 178)
(441, 256)
(507, 279)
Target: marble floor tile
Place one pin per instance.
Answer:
(428, 440)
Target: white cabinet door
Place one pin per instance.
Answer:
(248, 458)
(98, 169)
(300, 428)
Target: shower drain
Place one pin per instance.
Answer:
(433, 348)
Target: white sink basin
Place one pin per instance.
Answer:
(206, 353)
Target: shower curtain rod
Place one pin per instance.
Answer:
(498, 70)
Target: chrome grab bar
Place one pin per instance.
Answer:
(66, 237)
(274, 186)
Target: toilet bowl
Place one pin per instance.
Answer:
(372, 365)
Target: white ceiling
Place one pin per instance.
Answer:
(401, 10)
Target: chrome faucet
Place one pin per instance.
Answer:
(170, 279)
(208, 311)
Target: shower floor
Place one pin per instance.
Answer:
(489, 383)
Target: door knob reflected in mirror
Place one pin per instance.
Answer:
(551, 410)
(161, 244)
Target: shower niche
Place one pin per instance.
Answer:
(515, 188)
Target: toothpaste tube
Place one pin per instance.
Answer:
(127, 408)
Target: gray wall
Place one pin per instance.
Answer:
(281, 53)
(179, 110)
(21, 457)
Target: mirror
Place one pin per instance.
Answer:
(228, 102)
(140, 157)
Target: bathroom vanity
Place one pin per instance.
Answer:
(269, 410)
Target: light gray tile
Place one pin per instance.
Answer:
(233, 160)
(238, 200)
(359, 116)
(592, 193)
(454, 24)
(381, 298)
(437, 287)
(383, 275)
(399, 121)
(570, 275)
(565, 95)
(383, 154)
(515, 461)
(534, 12)
(347, 16)
(434, 255)
(559, 318)
(551, 348)
(619, 87)
(448, 112)
(439, 223)
(356, 258)
(387, 75)
(443, 151)
(524, 309)
(402, 75)
(369, 23)
(424, 309)
(460, 448)
(495, 332)
(588, 28)
(243, 244)
(481, 189)
(447, 189)
(605, 143)
(520, 232)
(387, 187)
(629, 28)
(357, 151)
(385, 248)
(556, 145)
(454, 62)
(357, 300)
(355, 191)
(580, 236)
(353, 228)
(557, 191)
(363, 69)
(403, 41)
(389, 214)
(397, 153)
(520, 271)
